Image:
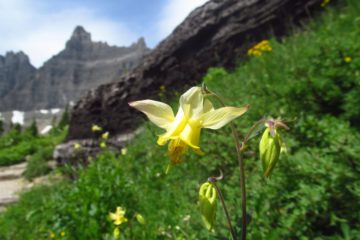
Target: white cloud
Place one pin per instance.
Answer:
(173, 13)
(41, 34)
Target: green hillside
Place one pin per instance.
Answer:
(310, 79)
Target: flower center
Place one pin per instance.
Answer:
(177, 148)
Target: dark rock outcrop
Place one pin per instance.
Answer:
(67, 76)
(215, 34)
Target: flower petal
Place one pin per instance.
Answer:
(192, 102)
(220, 117)
(207, 106)
(191, 136)
(174, 129)
(159, 113)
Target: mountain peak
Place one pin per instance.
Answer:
(80, 35)
(79, 39)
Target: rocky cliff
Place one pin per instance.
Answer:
(67, 76)
(15, 70)
(215, 34)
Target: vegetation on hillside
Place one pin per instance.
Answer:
(311, 79)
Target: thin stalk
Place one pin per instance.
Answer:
(242, 172)
(242, 181)
(222, 200)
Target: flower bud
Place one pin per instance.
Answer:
(207, 202)
(140, 218)
(269, 147)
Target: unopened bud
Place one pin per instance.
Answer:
(207, 202)
(140, 218)
(269, 147)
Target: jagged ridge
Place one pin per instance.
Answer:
(64, 78)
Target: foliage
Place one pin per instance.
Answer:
(16, 146)
(32, 129)
(1, 127)
(313, 192)
(65, 117)
(38, 163)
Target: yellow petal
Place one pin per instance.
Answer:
(207, 106)
(191, 102)
(220, 117)
(174, 129)
(191, 136)
(159, 113)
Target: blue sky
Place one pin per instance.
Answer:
(40, 28)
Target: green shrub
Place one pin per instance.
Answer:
(38, 163)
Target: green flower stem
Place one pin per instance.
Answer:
(242, 180)
(222, 200)
(252, 129)
(241, 168)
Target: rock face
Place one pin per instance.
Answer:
(67, 76)
(15, 70)
(215, 34)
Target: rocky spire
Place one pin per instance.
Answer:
(79, 38)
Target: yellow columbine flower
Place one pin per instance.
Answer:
(102, 145)
(52, 235)
(77, 146)
(124, 151)
(105, 135)
(96, 128)
(347, 59)
(183, 130)
(118, 217)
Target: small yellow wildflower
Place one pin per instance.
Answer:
(183, 130)
(102, 145)
(124, 151)
(96, 128)
(260, 48)
(347, 59)
(77, 146)
(52, 235)
(162, 88)
(105, 135)
(324, 3)
(118, 217)
(62, 233)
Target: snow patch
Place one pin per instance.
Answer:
(44, 111)
(55, 110)
(17, 117)
(46, 129)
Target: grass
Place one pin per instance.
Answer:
(313, 192)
